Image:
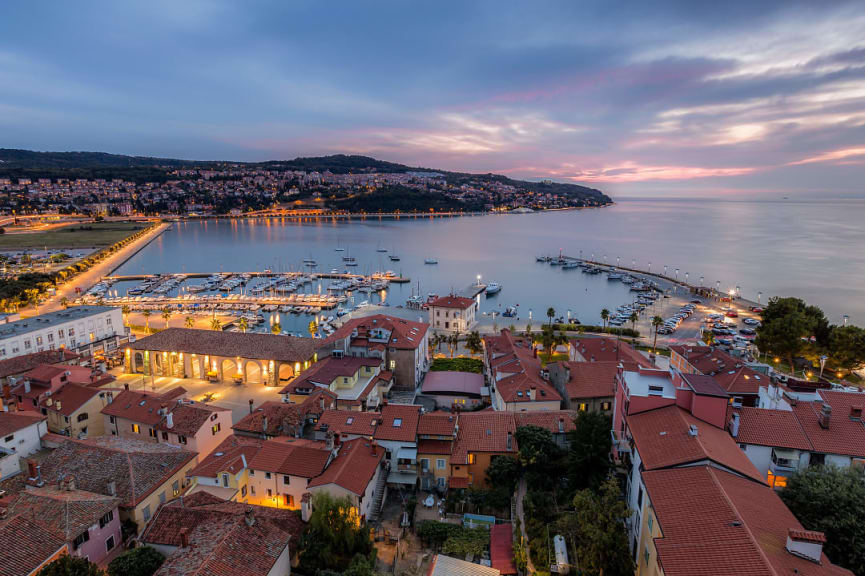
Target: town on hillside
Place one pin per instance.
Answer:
(418, 447)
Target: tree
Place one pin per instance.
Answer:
(215, 324)
(847, 347)
(64, 302)
(831, 500)
(333, 536)
(243, 324)
(503, 473)
(275, 328)
(633, 318)
(474, 342)
(313, 328)
(190, 322)
(166, 315)
(597, 529)
(589, 457)
(453, 343)
(605, 315)
(68, 565)
(551, 312)
(146, 315)
(141, 561)
(125, 310)
(657, 321)
(550, 339)
(783, 335)
(537, 447)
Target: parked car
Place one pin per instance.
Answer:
(732, 314)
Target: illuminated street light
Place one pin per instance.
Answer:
(479, 279)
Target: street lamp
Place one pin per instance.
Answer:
(569, 315)
(650, 266)
(665, 270)
(822, 364)
(759, 295)
(846, 319)
(479, 279)
(701, 281)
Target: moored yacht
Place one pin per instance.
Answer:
(493, 288)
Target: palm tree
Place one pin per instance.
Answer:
(313, 328)
(633, 318)
(146, 315)
(243, 324)
(190, 322)
(656, 323)
(64, 302)
(215, 324)
(474, 342)
(166, 315)
(125, 310)
(605, 315)
(550, 313)
(276, 328)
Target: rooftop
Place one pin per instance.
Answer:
(65, 513)
(644, 383)
(452, 302)
(398, 423)
(26, 545)
(591, 349)
(349, 422)
(591, 379)
(70, 397)
(299, 458)
(454, 383)
(72, 314)
(354, 466)
(229, 344)
(21, 364)
(703, 385)
(402, 334)
(11, 422)
(776, 428)
(228, 457)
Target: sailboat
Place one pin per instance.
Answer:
(338, 247)
(393, 257)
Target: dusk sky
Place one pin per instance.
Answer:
(677, 98)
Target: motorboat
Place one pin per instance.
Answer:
(430, 261)
(394, 258)
(510, 312)
(493, 288)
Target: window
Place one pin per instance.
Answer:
(72, 332)
(243, 491)
(440, 463)
(605, 406)
(61, 333)
(176, 487)
(393, 365)
(165, 436)
(39, 340)
(471, 458)
(269, 493)
(650, 522)
(252, 490)
(640, 499)
(109, 544)
(136, 429)
(646, 554)
(82, 417)
(441, 481)
(106, 520)
(216, 428)
(111, 419)
(397, 422)
(9, 438)
(583, 406)
(349, 420)
(146, 513)
(92, 336)
(286, 480)
(181, 439)
(2, 351)
(225, 480)
(27, 344)
(424, 464)
(51, 337)
(267, 475)
(288, 500)
(162, 497)
(81, 539)
(252, 472)
(151, 432)
(66, 419)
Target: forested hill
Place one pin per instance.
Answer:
(30, 164)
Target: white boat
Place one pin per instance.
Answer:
(493, 288)
(430, 261)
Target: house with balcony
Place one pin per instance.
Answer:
(358, 472)
(436, 432)
(396, 433)
(358, 382)
(638, 391)
(281, 470)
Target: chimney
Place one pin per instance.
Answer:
(249, 516)
(111, 488)
(561, 424)
(264, 423)
(321, 402)
(251, 402)
(856, 412)
(806, 544)
(67, 483)
(532, 393)
(59, 405)
(306, 506)
(734, 425)
(692, 430)
(32, 469)
(825, 416)
(126, 385)
(184, 537)
(374, 448)
(329, 440)
(169, 420)
(110, 397)
(27, 386)
(510, 440)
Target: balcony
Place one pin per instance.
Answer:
(621, 442)
(784, 462)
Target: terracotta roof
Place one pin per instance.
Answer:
(70, 397)
(729, 372)
(353, 468)
(741, 380)
(502, 548)
(326, 370)
(663, 440)
(26, 546)
(275, 418)
(448, 566)
(454, 302)
(776, 428)
(404, 334)
(187, 419)
(398, 423)
(303, 459)
(21, 364)
(435, 446)
(227, 457)
(607, 350)
(437, 424)
(458, 482)
(453, 383)
(714, 522)
(136, 467)
(591, 379)
(65, 513)
(141, 407)
(518, 388)
(557, 422)
(11, 422)
(253, 345)
(484, 432)
(349, 422)
(844, 435)
(704, 385)
(44, 372)
(221, 540)
(515, 369)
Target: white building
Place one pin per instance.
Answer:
(20, 436)
(453, 313)
(87, 330)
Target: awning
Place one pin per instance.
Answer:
(786, 454)
(406, 454)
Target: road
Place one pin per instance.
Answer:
(90, 277)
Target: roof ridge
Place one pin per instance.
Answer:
(735, 509)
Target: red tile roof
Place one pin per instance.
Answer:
(776, 428)
(437, 424)
(591, 379)
(729, 372)
(515, 369)
(188, 419)
(21, 364)
(607, 350)
(404, 334)
(26, 546)
(69, 398)
(353, 468)
(398, 423)
(274, 418)
(11, 422)
(253, 345)
(349, 422)
(229, 456)
(704, 385)
(141, 407)
(741, 381)
(557, 422)
(663, 440)
(325, 371)
(435, 446)
(64, 513)
(714, 522)
(502, 548)
(453, 302)
(302, 458)
(844, 435)
(484, 432)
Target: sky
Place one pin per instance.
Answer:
(679, 98)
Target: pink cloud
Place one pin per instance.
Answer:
(843, 156)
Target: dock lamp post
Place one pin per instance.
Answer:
(650, 266)
(686, 277)
(677, 274)
(718, 288)
(479, 279)
(822, 364)
(569, 315)
(701, 281)
(759, 295)
(738, 291)
(634, 263)
(665, 270)
(617, 261)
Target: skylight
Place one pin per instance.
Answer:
(397, 422)
(349, 421)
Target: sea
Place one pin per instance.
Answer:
(812, 249)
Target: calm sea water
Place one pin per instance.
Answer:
(811, 249)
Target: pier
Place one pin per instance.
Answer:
(266, 274)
